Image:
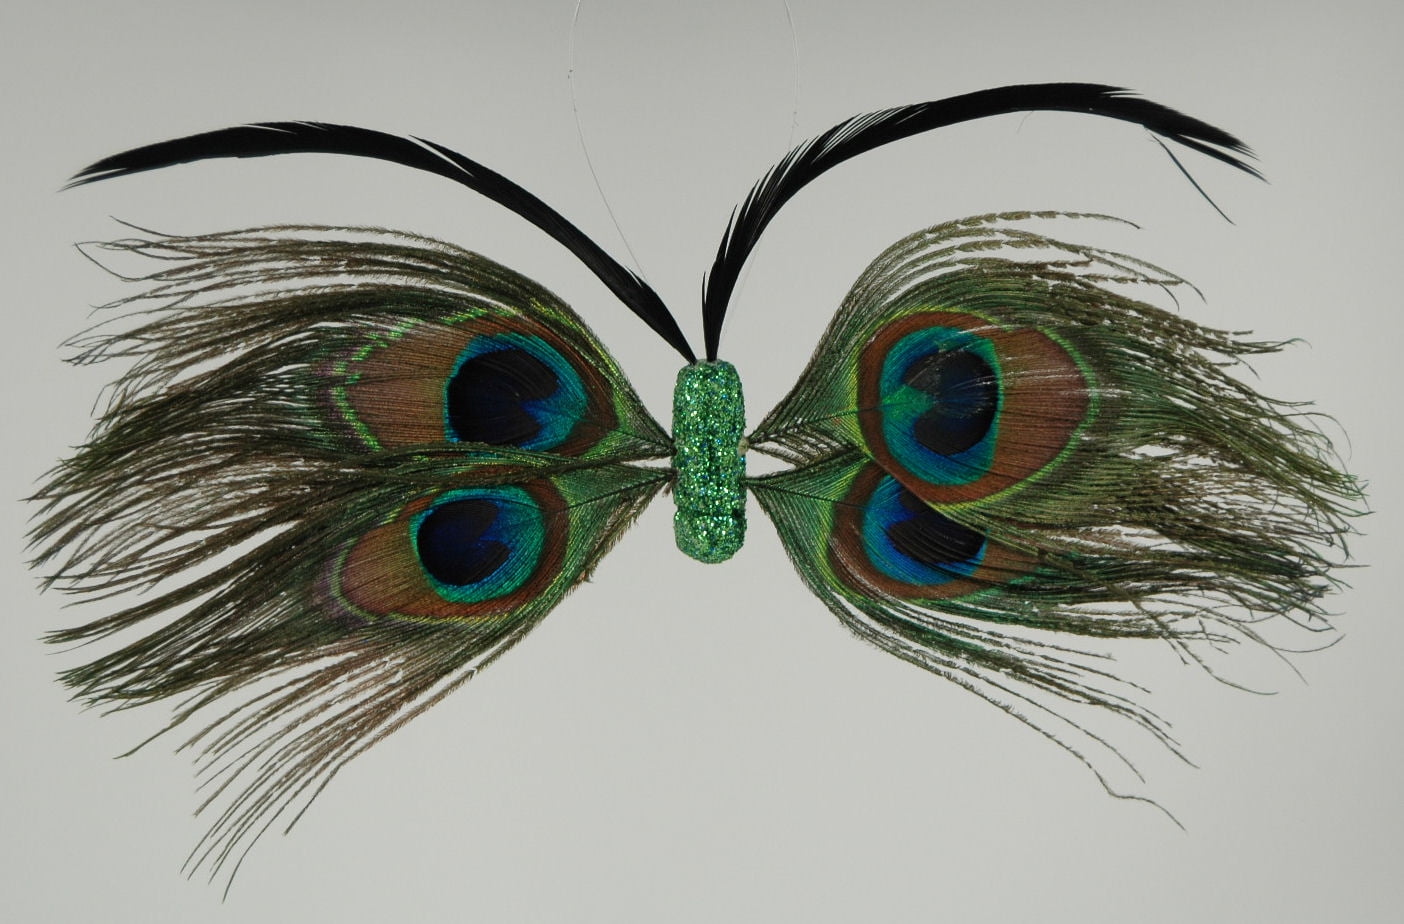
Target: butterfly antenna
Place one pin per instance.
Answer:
(863, 133)
(270, 138)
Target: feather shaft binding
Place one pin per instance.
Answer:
(709, 419)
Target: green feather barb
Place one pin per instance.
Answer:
(1142, 493)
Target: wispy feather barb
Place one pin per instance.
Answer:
(1171, 501)
(226, 474)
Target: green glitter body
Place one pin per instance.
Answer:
(709, 418)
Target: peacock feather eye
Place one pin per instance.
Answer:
(477, 379)
(939, 394)
(884, 539)
(471, 553)
(959, 407)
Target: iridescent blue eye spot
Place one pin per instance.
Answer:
(964, 397)
(908, 541)
(512, 390)
(941, 397)
(479, 544)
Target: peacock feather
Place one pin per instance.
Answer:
(346, 467)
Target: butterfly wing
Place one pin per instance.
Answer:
(997, 449)
(345, 470)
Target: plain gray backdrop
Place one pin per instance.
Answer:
(681, 742)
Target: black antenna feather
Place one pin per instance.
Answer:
(866, 132)
(268, 138)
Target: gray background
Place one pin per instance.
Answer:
(683, 742)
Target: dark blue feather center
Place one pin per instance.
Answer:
(490, 394)
(452, 546)
(965, 398)
(910, 542)
(929, 538)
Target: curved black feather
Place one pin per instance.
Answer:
(866, 132)
(267, 138)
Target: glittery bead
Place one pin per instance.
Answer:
(709, 417)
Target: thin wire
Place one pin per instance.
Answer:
(585, 148)
(794, 55)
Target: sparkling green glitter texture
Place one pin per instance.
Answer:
(709, 417)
